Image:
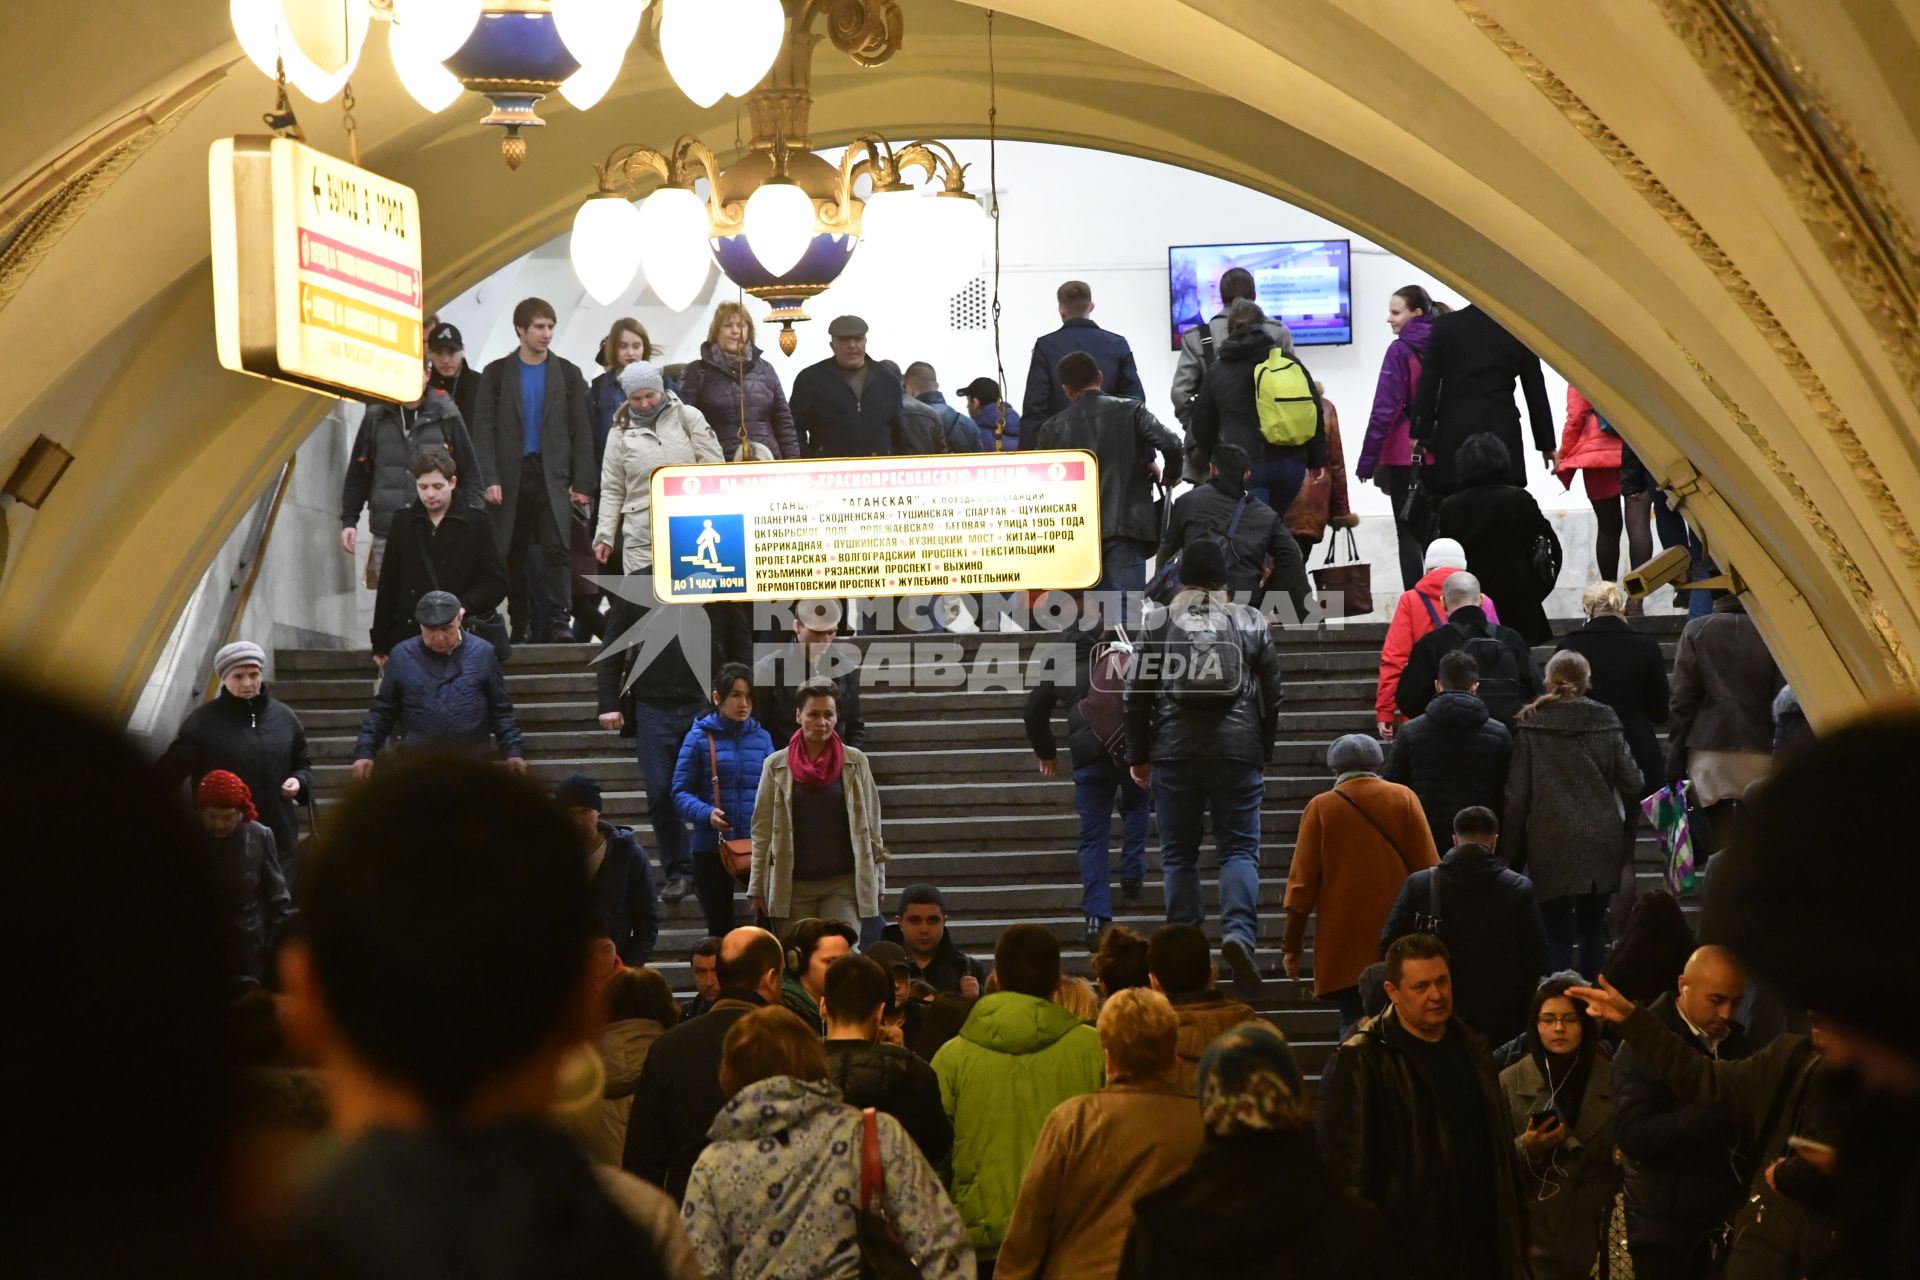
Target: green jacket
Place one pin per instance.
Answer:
(1015, 1060)
(802, 1002)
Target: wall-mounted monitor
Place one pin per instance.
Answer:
(1308, 284)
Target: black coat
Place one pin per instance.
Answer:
(668, 676)
(260, 741)
(465, 390)
(1226, 411)
(1629, 675)
(624, 895)
(254, 901)
(1454, 756)
(1257, 1207)
(459, 555)
(949, 964)
(1496, 525)
(1491, 924)
(888, 1078)
(1466, 387)
(1206, 511)
(1415, 690)
(678, 1095)
(1124, 436)
(566, 440)
(774, 685)
(1687, 1164)
(1084, 744)
(1164, 725)
(832, 424)
(1388, 1141)
(1045, 397)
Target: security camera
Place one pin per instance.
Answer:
(1665, 569)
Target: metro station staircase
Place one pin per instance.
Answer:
(964, 806)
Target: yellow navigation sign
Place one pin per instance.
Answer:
(316, 270)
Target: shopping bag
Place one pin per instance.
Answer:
(1666, 811)
(1345, 590)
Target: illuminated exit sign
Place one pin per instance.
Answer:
(316, 270)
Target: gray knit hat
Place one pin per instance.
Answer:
(640, 375)
(238, 654)
(1355, 752)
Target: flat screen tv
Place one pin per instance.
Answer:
(1306, 283)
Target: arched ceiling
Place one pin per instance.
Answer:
(1618, 182)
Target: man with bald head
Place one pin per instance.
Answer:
(678, 1093)
(1508, 676)
(1687, 1164)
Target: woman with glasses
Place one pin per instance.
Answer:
(1561, 1097)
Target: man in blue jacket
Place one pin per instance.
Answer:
(1077, 332)
(442, 688)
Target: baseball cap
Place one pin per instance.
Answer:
(847, 327)
(985, 390)
(444, 337)
(437, 609)
(890, 955)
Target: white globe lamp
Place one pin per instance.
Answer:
(605, 246)
(672, 235)
(779, 224)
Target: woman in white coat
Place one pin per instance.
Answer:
(652, 429)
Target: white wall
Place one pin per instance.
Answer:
(1065, 213)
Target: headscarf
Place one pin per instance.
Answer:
(1249, 1083)
(222, 790)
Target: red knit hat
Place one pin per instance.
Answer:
(222, 790)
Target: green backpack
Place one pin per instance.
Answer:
(1283, 397)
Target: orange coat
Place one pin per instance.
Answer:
(1346, 873)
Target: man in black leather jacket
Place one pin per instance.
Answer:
(870, 1073)
(1203, 705)
(1124, 437)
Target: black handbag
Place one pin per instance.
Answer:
(1418, 511)
(882, 1254)
(1546, 560)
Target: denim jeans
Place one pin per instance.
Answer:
(1123, 571)
(1576, 923)
(1347, 1001)
(658, 730)
(1095, 787)
(1277, 481)
(1184, 792)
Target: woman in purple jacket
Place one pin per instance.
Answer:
(1387, 456)
(738, 391)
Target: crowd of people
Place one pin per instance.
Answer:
(435, 1039)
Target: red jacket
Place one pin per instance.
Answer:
(1583, 445)
(1411, 620)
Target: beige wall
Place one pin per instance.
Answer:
(1590, 173)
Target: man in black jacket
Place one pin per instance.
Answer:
(920, 927)
(1418, 1126)
(1202, 707)
(618, 869)
(679, 1093)
(816, 652)
(1509, 677)
(1687, 1163)
(1454, 756)
(1466, 387)
(448, 370)
(1260, 551)
(434, 546)
(1125, 438)
(1489, 921)
(533, 431)
(1113, 356)
(847, 406)
(1099, 785)
(883, 1076)
(377, 479)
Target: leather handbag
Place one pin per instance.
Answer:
(883, 1256)
(1417, 512)
(1344, 590)
(736, 854)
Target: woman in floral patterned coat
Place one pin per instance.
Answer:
(775, 1194)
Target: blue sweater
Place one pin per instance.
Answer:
(741, 747)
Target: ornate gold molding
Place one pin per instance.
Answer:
(1836, 190)
(1874, 486)
(37, 212)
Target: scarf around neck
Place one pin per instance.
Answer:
(815, 775)
(629, 416)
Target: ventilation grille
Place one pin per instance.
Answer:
(968, 308)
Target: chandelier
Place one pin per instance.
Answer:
(516, 52)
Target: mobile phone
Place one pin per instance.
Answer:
(1542, 1118)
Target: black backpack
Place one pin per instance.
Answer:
(1205, 661)
(1500, 685)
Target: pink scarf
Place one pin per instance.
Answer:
(815, 775)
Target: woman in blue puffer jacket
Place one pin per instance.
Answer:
(739, 746)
